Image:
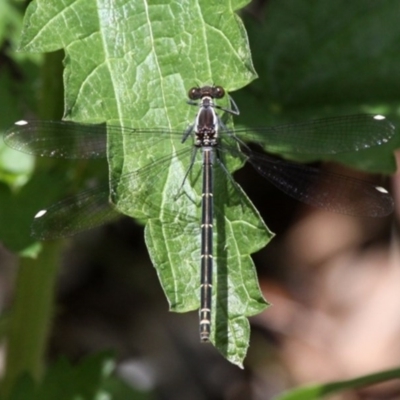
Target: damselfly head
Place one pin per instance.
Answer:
(215, 92)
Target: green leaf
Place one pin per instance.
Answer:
(131, 63)
(19, 206)
(312, 65)
(91, 379)
(15, 167)
(10, 22)
(18, 82)
(315, 392)
(18, 71)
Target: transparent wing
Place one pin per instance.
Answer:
(139, 192)
(323, 136)
(75, 214)
(322, 189)
(64, 139)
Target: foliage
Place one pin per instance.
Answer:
(133, 62)
(90, 379)
(315, 392)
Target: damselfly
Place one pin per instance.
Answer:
(62, 139)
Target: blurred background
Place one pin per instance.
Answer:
(333, 280)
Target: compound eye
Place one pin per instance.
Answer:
(219, 92)
(194, 93)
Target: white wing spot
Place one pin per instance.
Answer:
(22, 122)
(40, 213)
(379, 117)
(381, 189)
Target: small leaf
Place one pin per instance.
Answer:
(90, 379)
(316, 392)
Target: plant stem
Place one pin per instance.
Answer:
(31, 315)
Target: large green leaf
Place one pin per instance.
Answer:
(131, 63)
(318, 59)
